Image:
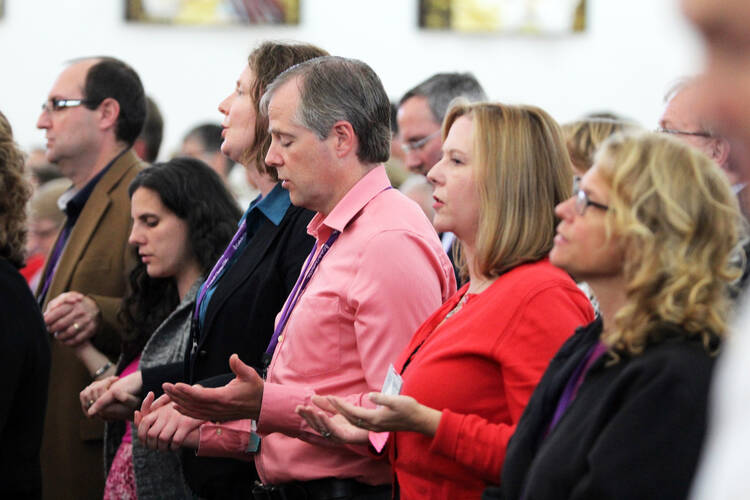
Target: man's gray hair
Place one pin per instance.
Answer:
(336, 89)
(683, 83)
(442, 88)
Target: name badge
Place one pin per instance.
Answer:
(393, 382)
(391, 387)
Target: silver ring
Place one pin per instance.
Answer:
(90, 403)
(56, 334)
(325, 434)
(359, 422)
(76, 327)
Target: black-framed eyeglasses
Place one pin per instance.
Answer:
(672, 131)
(418, 144)
(55, 104)
(583, 202)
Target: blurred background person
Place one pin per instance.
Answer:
(683, 119)
(420, 115)
(204, 143)
(394, 167)
(40, 171)
(148, 142)
(504, 168)
(45, 220)
(584, 137)
(419, 189)
(621, 411)
(183, 218)
(24, 348)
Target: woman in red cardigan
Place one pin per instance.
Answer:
(472, 366)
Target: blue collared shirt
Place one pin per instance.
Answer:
(272, 207)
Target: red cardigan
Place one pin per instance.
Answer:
(480, 368)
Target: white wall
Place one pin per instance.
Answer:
(633, 50)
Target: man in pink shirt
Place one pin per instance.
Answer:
(377, 271)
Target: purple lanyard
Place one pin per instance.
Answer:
(220, 265)
(576, 379)
(299, 287)
(571, 389)
(54, 260)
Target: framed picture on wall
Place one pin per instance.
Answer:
(534, 17)
(212, 12)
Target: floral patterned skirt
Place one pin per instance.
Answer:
(120, 483)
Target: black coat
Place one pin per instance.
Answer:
(239, 319)
(634, 430)
(24, 365)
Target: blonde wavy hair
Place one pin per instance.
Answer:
(522, 171)
(16, 191)
(674, 213)
(584, 137)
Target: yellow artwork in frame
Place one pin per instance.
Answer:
(535, 17)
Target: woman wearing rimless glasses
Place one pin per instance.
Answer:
(621, 410)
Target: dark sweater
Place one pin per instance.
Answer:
(634, 431)
(24, 365)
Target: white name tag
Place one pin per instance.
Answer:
(393, 382)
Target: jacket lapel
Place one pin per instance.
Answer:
(241, 270)
(85, 227)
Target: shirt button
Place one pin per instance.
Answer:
(281, 339)
(218, 432)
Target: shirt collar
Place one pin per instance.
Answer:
(75, 200)
(369, 186)
(274, 205)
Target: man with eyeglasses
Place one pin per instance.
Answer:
(420, 118)
(92, 115)
(682, 119)
(421, 112)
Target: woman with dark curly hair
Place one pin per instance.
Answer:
(24, 350)
(183, 217)
(620, 412)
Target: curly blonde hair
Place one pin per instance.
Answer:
(678, 222)
(16, 191)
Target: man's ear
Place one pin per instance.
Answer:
(344, 138)
(720, 150)
(109, 111)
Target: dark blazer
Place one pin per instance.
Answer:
(24, 368)
(96, 262)
(634, 430)
(239, 319)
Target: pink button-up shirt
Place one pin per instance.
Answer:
(384, 275)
